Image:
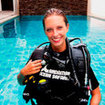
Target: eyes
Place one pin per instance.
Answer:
(51, 29)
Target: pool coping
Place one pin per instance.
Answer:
(7, 15)
(8, 18)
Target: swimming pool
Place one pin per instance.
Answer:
(20, 36)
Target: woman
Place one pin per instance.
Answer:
(60, 89)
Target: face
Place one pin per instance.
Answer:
(56, 29)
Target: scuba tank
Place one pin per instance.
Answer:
(78, 49)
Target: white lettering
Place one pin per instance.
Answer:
(44, 69)
(55, 77)
(45, 74)
(63, 78)
(55, 71)
(54, 74)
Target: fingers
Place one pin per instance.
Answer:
(30, 61)
(37, 64)
(36, 67)
(33, 67)
(34, 62)
(37, 61)
(33, 71)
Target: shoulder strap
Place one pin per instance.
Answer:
(37, 53)
(77, 82)
(82, 51)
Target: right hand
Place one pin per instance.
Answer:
(31, 67)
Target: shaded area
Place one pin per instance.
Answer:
(9, 30)
(7, 5)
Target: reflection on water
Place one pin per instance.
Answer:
(9, 30)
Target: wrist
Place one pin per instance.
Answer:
(22, 72)
(20, 78)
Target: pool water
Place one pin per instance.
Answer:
(20, 36)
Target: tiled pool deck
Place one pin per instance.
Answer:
(6, 15)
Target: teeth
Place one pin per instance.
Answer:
(56, 39)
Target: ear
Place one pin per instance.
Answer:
(67, 27)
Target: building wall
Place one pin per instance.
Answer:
(96, 8)
(16, 6)
(0, 6)
(38, 7)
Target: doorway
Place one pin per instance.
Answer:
(7, 5)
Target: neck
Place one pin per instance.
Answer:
(59, 49)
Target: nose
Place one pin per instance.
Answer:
(55, 32)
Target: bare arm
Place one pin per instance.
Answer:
(96, 96)
(31, 67)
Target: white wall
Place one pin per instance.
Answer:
(96, 8)
(16, 6)
(0, 6)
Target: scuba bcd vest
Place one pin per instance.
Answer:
(79, 58)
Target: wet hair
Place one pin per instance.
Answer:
(54, 11)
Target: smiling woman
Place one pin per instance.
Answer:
(61, 88)
(21, 35)
(56, 30)
(56, 26)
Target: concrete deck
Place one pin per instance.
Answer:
(6, 15)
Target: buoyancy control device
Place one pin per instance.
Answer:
(76, 53)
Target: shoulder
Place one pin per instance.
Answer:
(38, 50)
(77, 52)
(78, 57)
(37, 53)
(93, 79)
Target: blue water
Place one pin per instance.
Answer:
(20, 36)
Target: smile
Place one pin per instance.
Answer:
(56, 40)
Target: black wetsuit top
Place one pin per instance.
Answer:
(59, 89)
